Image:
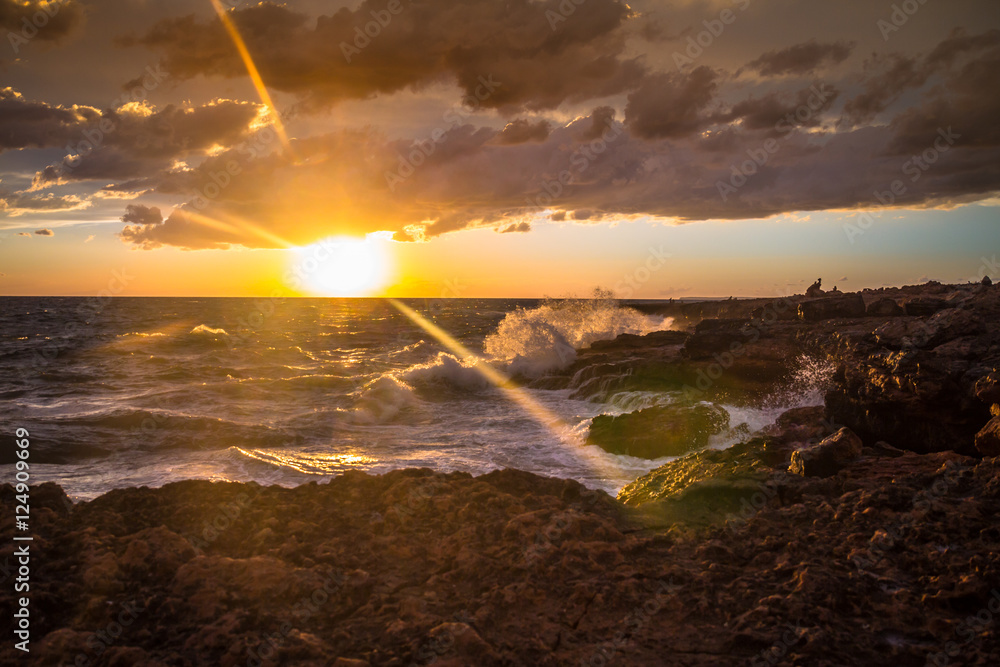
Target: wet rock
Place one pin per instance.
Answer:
(828, 457)
(846, 306)
(660, 431)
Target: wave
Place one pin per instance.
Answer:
(384, 400)
(536, 341)
(400, 393)
(204, 329)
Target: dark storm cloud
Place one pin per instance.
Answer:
(30, 124)
(539, 53)
(891, 76)
(776, 110)
(671, 105)
(46, 20)
(801, 59)
(584, 119)
(136, 141)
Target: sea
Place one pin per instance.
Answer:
(119, 392)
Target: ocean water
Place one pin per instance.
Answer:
(145, 391)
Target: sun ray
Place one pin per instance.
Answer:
(236, 226)
(540, 413)
(255, 77)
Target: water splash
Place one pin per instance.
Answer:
(538, 340)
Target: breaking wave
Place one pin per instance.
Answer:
(535, 341)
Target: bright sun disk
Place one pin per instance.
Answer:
(341, 266)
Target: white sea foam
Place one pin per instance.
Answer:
(204, 329)
(383, 400)
(535, 341)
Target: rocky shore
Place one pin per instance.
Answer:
(859, 531)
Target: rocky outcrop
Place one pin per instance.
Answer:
(828, 457)
(728, 561)
(652, 433)
(846, 306)
(884, 308)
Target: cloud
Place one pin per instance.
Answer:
(520, 228)
(20, 203)
(521, 130)
(89, 238)
(30, 124)
(671, 105)
(892, 75)
(23, 234)
(801, 59)
(48, 20)
(539, 53)
(470, 180)
(44, 232)
(137, 140)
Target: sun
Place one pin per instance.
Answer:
(341, 266)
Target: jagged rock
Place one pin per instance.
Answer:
(884, 308)
(988, 439)
(848, 305)
(986, 281)
(651, 433)
(828, 457)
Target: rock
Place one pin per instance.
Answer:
(350, 662)
(988, 390)
(460, 640)
(799, 424)
(924, 306)
(816, 289)
(884, 308)
(157, 549)
(717, 336)
(651, 433)
(828, 457)
(988, 439)
(986, 281)
(848, 305)
(949, 324)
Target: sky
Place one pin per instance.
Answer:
(491, 148)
